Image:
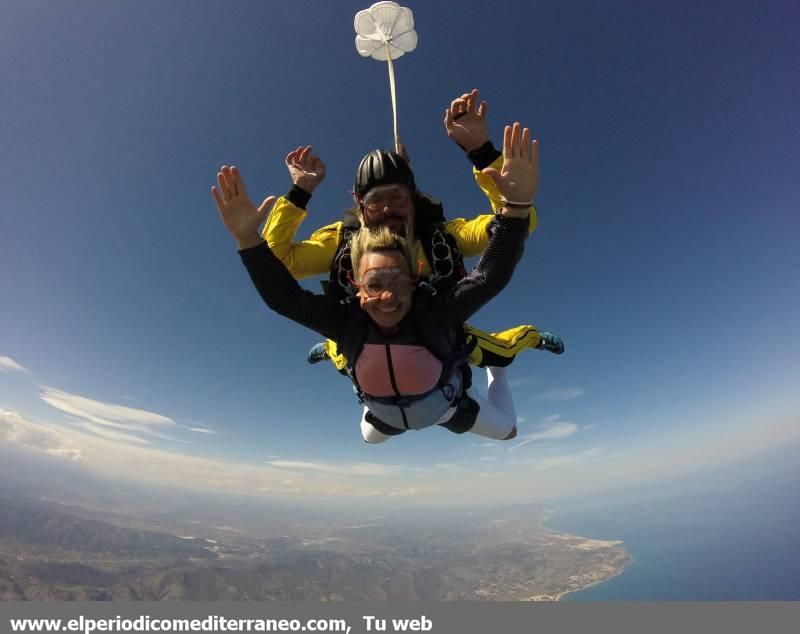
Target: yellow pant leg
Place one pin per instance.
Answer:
(338, 360)
(500, 348)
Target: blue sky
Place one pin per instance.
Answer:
(132, 341)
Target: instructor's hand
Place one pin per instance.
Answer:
(465, 121)
(306, 169)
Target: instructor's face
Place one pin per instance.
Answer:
(385, 288)
(388, 205)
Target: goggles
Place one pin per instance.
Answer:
(377, 281)
(391, 196)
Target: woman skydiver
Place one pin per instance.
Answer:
(407, 375)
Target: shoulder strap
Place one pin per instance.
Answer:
(427, 209)
(447, 343)
(338, 283)
(442, 251)
(440, 247)
(351, 342)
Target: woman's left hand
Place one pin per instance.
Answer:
(518, 180)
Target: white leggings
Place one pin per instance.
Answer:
(496, 418)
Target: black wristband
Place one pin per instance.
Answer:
(298, 196)
(484, 156)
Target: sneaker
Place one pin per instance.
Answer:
(317, 353)
(550, 342)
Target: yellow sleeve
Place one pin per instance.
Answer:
(487, 184)
(472, 235)
(307, 257)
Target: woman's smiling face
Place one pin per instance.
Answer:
(385, 287)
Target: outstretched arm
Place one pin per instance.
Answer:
(518, 179)
(517, 182)
(274, 283)
(309, 257)
(239, 215)
(466, 123)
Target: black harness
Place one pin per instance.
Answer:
(439, 246)
(448, 344)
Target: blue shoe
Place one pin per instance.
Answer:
(317, 353)
(550, 342)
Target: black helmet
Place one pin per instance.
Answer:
(383, 167)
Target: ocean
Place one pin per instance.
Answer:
(727, 543)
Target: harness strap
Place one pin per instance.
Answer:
(464, 418)
(338, 284)
(384, 428)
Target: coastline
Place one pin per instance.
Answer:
(560, 595)
(595, 583)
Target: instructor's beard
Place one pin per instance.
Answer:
(402, 226)
(404, 230)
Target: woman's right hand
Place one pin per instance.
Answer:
(518, 180)
(239, 215)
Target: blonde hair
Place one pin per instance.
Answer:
(377, 239)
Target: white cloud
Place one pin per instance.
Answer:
(17, 431)
(542, 474)
(7, 364)
(102, 413)
(409, 492)
(562, 394)
(196, 426)
(100, 450)
(112, 421)
(343, 468)
(522, 382)
(553, 430)
(565, 460)
(109, 434)
(69, 454)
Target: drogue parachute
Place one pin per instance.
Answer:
(385, 32)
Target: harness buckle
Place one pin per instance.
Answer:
(448, 390)
(427, 285)
(359, 394)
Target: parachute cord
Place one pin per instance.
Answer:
(394, 96)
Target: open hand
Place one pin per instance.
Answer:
(306, 169)
(465, 121)
(239, 215)
(518, 180)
